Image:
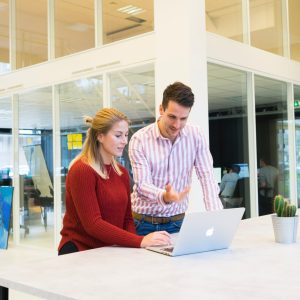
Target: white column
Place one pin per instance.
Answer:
(292, 144)
(180, 35)
(16, 177)
(56, 166)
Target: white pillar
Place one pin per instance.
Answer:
(181, 56)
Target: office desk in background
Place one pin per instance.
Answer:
(255, 267)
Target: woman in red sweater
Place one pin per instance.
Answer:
(98, 208)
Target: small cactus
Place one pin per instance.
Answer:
(283, 208)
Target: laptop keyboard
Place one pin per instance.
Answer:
(168, 249)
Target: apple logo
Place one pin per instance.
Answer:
(210, 231)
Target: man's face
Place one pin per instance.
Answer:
(172, 119)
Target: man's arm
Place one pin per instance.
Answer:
(204, 171)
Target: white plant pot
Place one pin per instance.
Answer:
(285, 229)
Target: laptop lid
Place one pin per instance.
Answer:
(204, 231)
(207, 231)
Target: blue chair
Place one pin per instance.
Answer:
(6, 196)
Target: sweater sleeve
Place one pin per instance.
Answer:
(83, 190)
(128, 222)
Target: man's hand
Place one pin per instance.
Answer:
(170, 195)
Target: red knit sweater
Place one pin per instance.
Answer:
(98, 211)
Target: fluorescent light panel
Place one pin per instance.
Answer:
(130, 10)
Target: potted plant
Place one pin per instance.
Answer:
(285, 220)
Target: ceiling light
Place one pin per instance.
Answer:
(130, 10)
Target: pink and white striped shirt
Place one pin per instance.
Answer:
(156, 162)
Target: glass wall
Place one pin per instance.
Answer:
(228, 134)
(4, 36)
(266, 27)
(297, 130)
(36, 167)
(225, 18)
(294, 26)
(124, 19)
(6, 143)
(74, 26)
(31, 32)
(272, 141)
(132, 91)
(77, 99)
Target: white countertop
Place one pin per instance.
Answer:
(254, 267)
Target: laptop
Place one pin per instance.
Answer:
(204, 231)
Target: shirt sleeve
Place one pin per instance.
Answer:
(222, 184)
(83, 190)
(142, 173)
(204, 171)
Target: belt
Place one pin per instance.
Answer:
(157, 220)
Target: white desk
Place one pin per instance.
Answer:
(255, 267)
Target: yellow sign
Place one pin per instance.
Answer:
(74, 141)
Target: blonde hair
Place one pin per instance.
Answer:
(102, 122)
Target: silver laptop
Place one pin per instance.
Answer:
(204, 231)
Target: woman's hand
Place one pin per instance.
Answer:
(157, 238)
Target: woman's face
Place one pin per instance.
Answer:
(114, 141)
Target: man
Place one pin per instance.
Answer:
(162, 156)
(229, 181)
(268, 180)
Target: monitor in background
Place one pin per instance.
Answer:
(244, 172)
(218, 174)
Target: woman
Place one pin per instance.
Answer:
(98, 209)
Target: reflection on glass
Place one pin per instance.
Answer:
(132, 91)
(297, 130)
(31, 32)
(266, 25)
(6, 145)
(36, 168)
(4, 37)
(272, 141)
(225, 18)
(77, 99)
(125, 19)
(294, 27)
(74, 26)
(228, 134)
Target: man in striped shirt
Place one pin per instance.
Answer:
(162, 156)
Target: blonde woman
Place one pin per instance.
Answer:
(98, 208)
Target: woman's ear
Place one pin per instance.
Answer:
(100, 137)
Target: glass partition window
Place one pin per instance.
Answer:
(6, 157)
(83, 97)
(294, 27)
(4, 36)
(228, 134)
(36, 168)
(225, 18)
(297, 130)
(132, 91)
(124, 19)
(31, 32)
(6, 146)
(272, 141)
(266, 27)
(74, 26)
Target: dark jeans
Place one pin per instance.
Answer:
(143, 228)
(67, 248)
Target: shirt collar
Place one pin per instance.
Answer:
(157, 134)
